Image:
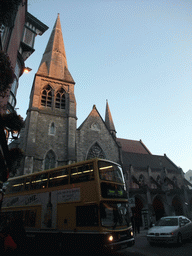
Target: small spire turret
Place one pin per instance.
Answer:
(109, 121)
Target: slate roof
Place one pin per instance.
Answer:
(133, 146)
(140, 161)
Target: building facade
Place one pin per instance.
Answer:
(51, 138)
(17, 40)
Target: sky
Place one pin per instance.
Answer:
(137, 54)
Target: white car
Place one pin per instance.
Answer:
(170, 229)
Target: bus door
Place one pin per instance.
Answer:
(66, 216)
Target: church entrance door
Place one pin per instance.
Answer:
(158, 208)
(177, 205)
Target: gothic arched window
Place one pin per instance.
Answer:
(60, 99)
(50, 160)
(158, 180)
(175, 180)
(52, 129)
(141, 180)
(96, 151)
(46, 96)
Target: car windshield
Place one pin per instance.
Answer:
(114, 214)
(167, 222)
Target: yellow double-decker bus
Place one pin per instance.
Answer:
(82, 204)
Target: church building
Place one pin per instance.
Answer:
(156, 186)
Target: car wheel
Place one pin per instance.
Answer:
(179, 240)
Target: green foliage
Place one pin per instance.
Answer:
(3, 170)
(6, 73)
(13, 122)
(9, 159)
(15, 155)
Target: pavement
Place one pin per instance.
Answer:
(143, 232)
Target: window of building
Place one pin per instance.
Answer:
(52, 129)
(60, 99)
(18, 69)
(96, 151)
(29, 37)
(175, 180)
(50, 160)
(141, 180)
(14, 86)
(46, 96)
(158, 179)
(190, 178)
(2, 30)
(12, 100)
(5, 33)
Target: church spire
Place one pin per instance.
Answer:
(54, 62)
(109, 121)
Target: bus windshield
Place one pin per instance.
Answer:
(114, 214)
(110, 172)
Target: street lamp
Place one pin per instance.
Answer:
(27, 69)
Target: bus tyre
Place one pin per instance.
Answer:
(179, 239)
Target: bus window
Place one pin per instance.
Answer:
(114, 214)
(110, 190)
(110, 172)
(15, 186)
(10, 216)
(82, 173)
(39, 181)
(58, 178)
(87, 215)
(27, 183)
(29, 218)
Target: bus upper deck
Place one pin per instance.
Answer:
(83, 199)
(67, 175)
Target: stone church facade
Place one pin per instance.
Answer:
(51, 138)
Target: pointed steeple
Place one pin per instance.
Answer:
(54, 62)
(109, 121)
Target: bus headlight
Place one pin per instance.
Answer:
(110, 238)
(131, 233)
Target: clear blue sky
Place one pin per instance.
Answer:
(135, 54)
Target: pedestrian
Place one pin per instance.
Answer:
(17, 232)
(137, 224)
(133, 224)
(8, 245)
